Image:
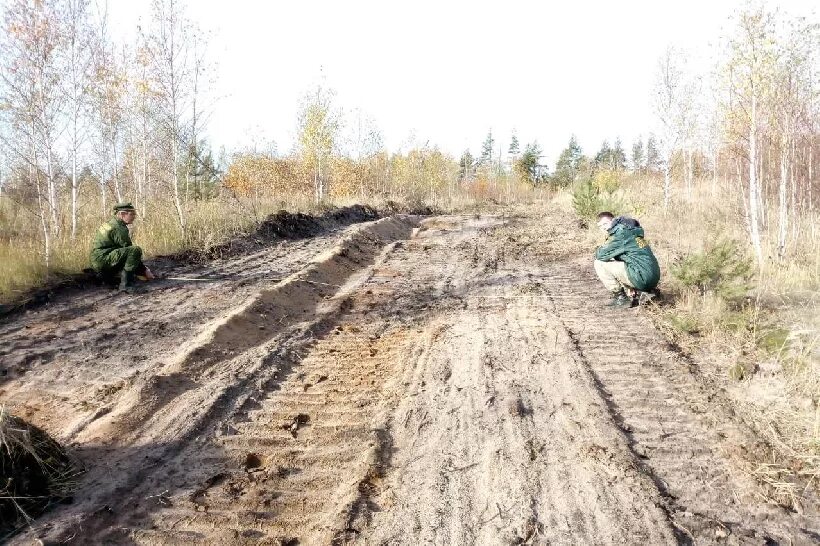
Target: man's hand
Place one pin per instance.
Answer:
(149, 275)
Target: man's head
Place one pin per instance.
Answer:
(125, 212)
(605, 220)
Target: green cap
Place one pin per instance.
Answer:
(120, 207)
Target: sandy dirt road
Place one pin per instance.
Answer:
(442, 380)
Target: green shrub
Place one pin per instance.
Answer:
(684, 323)
(735, 321)
(723, 269)
(608, 181)
(588, 199)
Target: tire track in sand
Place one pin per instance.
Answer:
(175, 411)
(692, 445)
(499, 435)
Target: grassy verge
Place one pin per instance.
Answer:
(755, 329)
(22, 263)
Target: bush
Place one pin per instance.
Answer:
(608, 181)
(588, 199)
(723, 269)
(684, 323)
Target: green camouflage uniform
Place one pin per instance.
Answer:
(113, 251)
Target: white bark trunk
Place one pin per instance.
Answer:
(145, 181)
(783, 217)
(52, 189)
(43, 209)
(117, 182)
(754, 203)
(74, 194)
(177, 201)
(103, 193)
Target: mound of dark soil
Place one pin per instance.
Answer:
(35, 473)
(392, 207)
(281, 225)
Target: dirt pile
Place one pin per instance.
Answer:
(35, 473)
(282, 225)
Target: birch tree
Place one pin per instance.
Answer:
(792, 95)
(667, 100)
(32, 102)
(167, 45)
(78, 58)
(749, 73)
(319, 126)
(141, 125)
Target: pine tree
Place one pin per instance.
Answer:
(653, 156)
(637, 156)
(465, 166)
(603, 158)
(487, 150)
(514, 147)
(566, 168)
(527, 165)
(618, 159)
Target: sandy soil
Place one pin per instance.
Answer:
(445, 380)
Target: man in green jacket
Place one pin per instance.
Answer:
(625, 263)
(113, 253)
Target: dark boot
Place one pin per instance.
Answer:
(620, 299)
(127, 282)
(653, 296)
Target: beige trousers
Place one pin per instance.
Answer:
(612, 275)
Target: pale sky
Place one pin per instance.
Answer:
(448, 72)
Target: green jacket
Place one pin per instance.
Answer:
(625, 243)
(109, 236)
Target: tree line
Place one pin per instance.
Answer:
(85, 120)
(752, 124)
(749, 127)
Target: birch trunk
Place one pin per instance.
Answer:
(177, 202)
(52, 189)
(782, 193)
(754, 190)
(74, 194)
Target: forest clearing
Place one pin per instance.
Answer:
(445, 379)
(262, 287)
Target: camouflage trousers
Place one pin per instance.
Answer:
(118, 259)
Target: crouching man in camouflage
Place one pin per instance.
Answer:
(113, 253)
(624, 263)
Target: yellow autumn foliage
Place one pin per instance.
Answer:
(262, 175)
